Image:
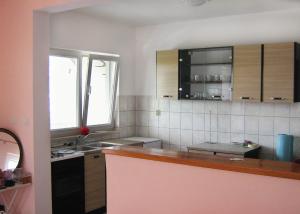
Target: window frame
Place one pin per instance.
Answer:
(82, 112)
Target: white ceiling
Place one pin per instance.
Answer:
(151, 12)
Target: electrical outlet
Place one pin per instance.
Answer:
(158, 112)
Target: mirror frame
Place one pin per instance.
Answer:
(19, 144)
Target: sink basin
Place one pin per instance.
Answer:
(85, 148)
(100, 144)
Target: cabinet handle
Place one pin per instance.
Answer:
(246, 98)
(96, 156)
(167, 96)
(277, 98)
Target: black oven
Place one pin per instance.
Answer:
(68, 186)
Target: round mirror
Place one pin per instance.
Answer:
(11, 152)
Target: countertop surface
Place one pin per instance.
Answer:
(237, 149)
(72, 153)
(244, 165)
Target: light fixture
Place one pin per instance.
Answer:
(195, 3)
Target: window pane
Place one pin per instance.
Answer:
(101, 92)
(63, 92)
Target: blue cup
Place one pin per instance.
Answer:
(284, 147)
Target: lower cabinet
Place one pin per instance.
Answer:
(95, 181)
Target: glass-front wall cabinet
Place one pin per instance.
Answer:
(205, 74)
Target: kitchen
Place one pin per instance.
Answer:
(180, 123)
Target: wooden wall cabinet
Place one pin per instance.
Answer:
(167, 74)
(280, 73)
(95, 181)
(247, 73)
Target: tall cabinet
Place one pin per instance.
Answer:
(247, 69)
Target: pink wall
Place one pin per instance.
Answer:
(143, 186)
(23, 103)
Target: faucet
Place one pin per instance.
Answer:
(80, 139)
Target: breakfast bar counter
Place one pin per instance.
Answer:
(244, 165)
(161, 181)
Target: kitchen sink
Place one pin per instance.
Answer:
(101, 144)
(85, 148)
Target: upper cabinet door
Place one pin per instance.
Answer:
(247, 68)
(278, 78)
(167, 74)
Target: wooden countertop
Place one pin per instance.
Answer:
(246, 165)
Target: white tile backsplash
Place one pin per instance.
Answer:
(186, 138)
(164, 120)
(295, 110)
(211, 122)
(186, 121)
(142, 103)
(251, 124)
(224, 108)
(142, 118)
(266, 125)
(182, 123)
(198, 137)
(237, 137)
(174, 120)
(211, 107)
(164, 105)
(175, 136)
(153, 132)
(267, 143)
(164, 134)
(153, 119)
(174, 106)
(252, 109)
(224, 137)
(186, 106)
(224, 123)
(281, 125)
(198, 122)
(237, 108)
(198, 107)
(295, 126)
(282, 110)
(237, 124)
(267, 109)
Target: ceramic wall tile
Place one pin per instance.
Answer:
(251, 124)
(198, 107)
(175, 136)
(281, 125)
(282, 110)
(164, 120)
(237, 124)
(174, 106)
(186, 137)
(266, 125)
(174, 120)
(186, 121)
(186, 106)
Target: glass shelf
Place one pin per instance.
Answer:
(206, 74)
(208, 82)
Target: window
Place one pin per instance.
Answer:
(82, 89)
